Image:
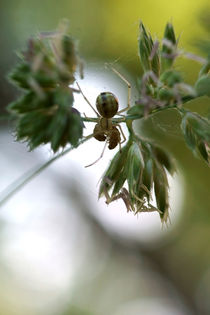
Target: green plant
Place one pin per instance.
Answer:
(45, 113)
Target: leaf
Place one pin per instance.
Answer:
(136, 110)
(75, 128)
(146, 181)
(169, 34)
(155, 58)
(205, 69)
(69, 53)
(165, 94)
(164, 159)
(171, 77)
(145, 47)
(63, 97)
(161, 191)
(203, 151)
(202, 86)
(114, 169)
(200, 125)
(44, 79)
(135, 163)
(34, 134)
(188, 134)
(30, 102)
(57, 128)
(119, 182)
(168, 53)
(20, 75)
(196, 130)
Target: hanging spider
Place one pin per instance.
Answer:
(107, 105)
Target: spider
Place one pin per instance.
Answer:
(107, 105)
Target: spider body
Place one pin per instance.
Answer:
(107, 107)
(98, 133)
(114, 138)
(106, 131)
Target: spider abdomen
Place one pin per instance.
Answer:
(107, 104)
(114, 138)
(98, 133)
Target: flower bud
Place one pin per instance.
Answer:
(171, 77)
(132, 175)
(205, 68)
(44, 112)
(168, 53)
(161, 191)
(196, 130)
(202, 86)
(148, 52)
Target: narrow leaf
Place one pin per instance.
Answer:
(164, 159)
(188, 134)
(161, 191)
(203, 151)
(202, 86)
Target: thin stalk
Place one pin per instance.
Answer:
(127, 118)
(10, 190)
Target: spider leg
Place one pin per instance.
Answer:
(102, 153)
(124, 137)
(89, 136)
(85, 98)
(120, 147)
(129, 89)
(93, 135)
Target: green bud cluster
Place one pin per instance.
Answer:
(132, 175)
(196, 130)
(161, 85)
(44, 111)
(169, 47)
(152, 56)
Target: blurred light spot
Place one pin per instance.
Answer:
(151, 307)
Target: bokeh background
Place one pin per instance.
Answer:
(63, 252)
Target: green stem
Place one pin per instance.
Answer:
(95, 119)
(127, 118)
(28, 176)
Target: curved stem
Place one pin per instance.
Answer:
(9, 191)
(127, 118)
